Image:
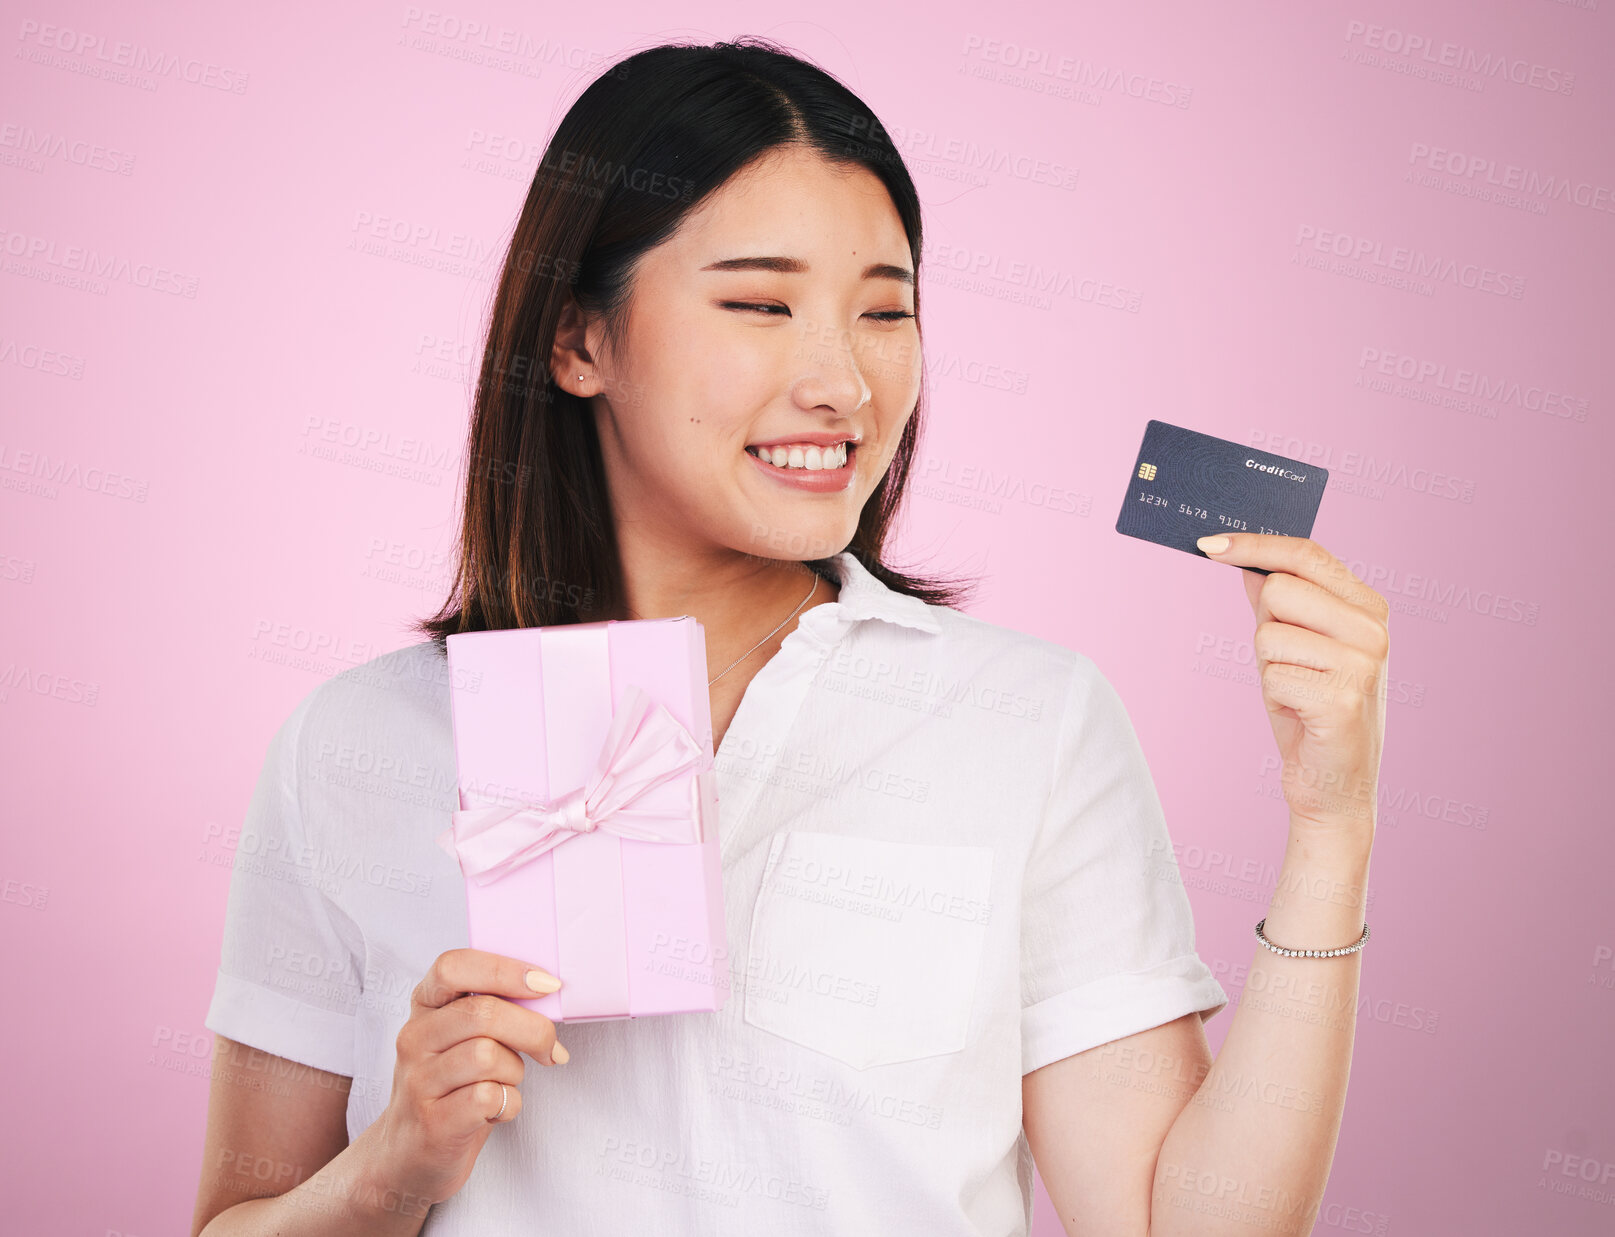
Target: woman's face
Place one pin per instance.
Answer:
(779, 317)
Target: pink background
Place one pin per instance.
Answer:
(217, 550)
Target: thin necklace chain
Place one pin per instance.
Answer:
(766, 638)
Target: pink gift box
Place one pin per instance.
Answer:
(599, 865)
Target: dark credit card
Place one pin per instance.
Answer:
(1187, 485)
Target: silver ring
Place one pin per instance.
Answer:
(504, 1098)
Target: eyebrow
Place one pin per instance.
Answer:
(795, 266)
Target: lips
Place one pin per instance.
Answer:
(797, 474)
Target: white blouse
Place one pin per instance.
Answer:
(944, 865)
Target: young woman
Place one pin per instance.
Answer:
(957, 938)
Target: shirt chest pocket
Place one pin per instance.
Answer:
(866, 950)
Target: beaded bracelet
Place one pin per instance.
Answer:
(1311, 953)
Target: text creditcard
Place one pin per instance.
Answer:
(1187, 485)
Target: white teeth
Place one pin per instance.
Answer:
(810, 457)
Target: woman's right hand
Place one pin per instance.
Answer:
(461, 1041)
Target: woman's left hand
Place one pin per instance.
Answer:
(1321, 644)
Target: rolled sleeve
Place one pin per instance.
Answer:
(1107, 933)
(289, 977)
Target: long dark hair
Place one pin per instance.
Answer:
(643, 145)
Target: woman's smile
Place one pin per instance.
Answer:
(808, 466)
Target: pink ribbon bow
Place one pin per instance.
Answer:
(644, 747)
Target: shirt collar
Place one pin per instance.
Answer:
(862, 596)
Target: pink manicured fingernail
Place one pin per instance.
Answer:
(1213, 545)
